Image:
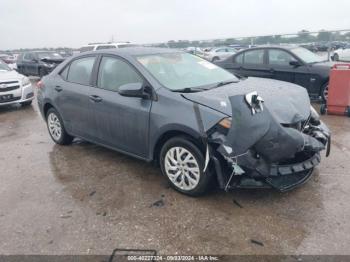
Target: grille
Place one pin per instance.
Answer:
(8, 86)
(9, 100)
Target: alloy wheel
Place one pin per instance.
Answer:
(54, 125)
(182, 168)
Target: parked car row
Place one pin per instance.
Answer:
(14, 87)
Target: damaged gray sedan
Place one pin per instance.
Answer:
(197, 121)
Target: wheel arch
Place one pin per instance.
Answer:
(193, 136)
(46, 108)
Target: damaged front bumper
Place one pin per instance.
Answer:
(258, 152)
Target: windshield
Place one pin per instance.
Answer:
(307, 56)
(4, 67)
(177, 71)
(49, 55)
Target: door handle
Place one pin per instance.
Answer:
(58, 88)
(95, 98)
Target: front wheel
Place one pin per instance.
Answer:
(56, 128)
(182, 162)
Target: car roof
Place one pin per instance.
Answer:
(274, 46)
(134, 51)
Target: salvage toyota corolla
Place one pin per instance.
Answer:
(196, 120)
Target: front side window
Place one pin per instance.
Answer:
(80, 70)
(177, 71)
(279, 57)
(114, 73)
(254, 57)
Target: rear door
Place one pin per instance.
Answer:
(254, 64)
(121, 122)
(72, 90)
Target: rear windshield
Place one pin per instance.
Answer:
(42, 55)
(86, 49)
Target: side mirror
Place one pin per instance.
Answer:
(133, 90)
(295, 63)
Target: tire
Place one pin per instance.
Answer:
(56, 128)
(335, 57)
(42, 72)
(27, 103)
(323, 109)
(184, 176)
(215, 59)
(324, 92)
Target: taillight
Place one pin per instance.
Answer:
(40, 84)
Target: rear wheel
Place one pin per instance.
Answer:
(182, 162)
(324, 92)
(335, 57)
(56, 128)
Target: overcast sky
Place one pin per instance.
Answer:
(73, 23)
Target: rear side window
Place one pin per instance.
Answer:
(28, 57)
(64, 73)
(80, 70)
(114, 73)
(279, 57)
(239, 59)
(254, 57)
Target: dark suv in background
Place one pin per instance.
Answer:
(38, 63)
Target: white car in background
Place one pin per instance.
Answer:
(342, 54)
(219, 53)
(14, 87)
(100, 46)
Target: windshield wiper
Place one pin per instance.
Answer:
(225, 83)
(189, 90)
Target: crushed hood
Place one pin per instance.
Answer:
(289, 103)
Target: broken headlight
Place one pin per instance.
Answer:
(226, 123)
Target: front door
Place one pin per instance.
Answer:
(254, 64)
(121, 122)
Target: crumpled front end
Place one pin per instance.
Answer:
(258, 151)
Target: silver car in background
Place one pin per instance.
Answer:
(219, 53)
(14, 87)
